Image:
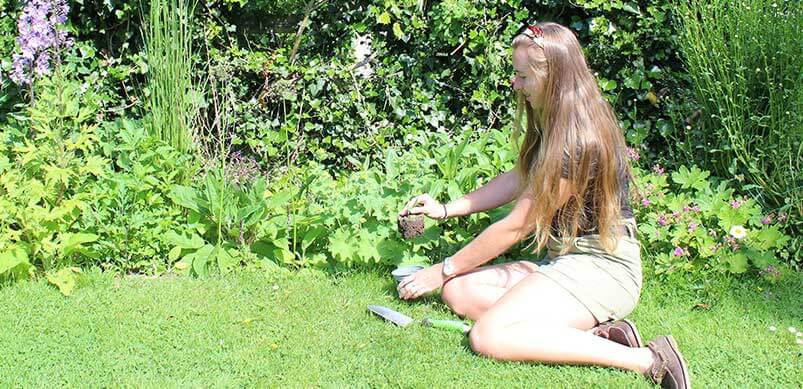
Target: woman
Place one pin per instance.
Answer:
(570, 189)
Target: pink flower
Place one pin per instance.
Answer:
(676, 214)
(696, 208)
(686, 208)
(662, 220)
(658, 169)
(692, 227)
(678, 252)
(766, 220)
(633, 154)
(646, 202)
(736, 204)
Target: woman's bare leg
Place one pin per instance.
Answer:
(471, 294)
(538, 320)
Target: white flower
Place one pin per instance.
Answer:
(275, 287)
(738, 232)
(799, 341)
(792, 329)
(799, 333)
(773, 329)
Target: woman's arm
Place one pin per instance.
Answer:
(500, 236)
(497, 192)
(494, 240)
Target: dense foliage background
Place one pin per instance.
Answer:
(313, 122)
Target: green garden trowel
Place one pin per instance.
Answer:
(403, 320)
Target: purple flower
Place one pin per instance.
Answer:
(696, 208)
(736, 204)
(646, 202)
(662, 220)
(678, 252)
(676, 214)
(692, 227)
(632, 154)
(40, 37)
(766, 220)
(659, 170)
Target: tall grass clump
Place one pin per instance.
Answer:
(744, 60)
(168, 45)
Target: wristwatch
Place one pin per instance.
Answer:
(448, 270)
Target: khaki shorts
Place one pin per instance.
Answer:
(608, 284)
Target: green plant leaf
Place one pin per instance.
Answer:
(185, 196)
(737, 263)
(200, 259)
(383, 18)
(341, 245)
(190, 241)
(73, 242)
(11, 258)
(64, 279)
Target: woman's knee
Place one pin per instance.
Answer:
(484, 339)
(454, 295)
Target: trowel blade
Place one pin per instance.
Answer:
(394, 317)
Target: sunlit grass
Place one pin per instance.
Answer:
(310, 329)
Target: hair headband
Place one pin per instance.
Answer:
(536, 34)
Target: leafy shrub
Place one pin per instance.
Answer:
(223, 218)
(743, 58)
(46, 172)
(691, 224)
(130, 211)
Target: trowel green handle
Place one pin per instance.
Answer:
(449, 325)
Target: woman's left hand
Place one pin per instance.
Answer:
(421, 282)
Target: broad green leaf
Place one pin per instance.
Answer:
(185, 196)
(770, 237)
(72, 242)
(310, 237)
(737, 263)
(391, 251)
(226, 259)
(191, 242)
(174, 253)
(341, 245)
(383, 18)
(11, 258)
(397, 30)
(694, 178)
(278, 199)
(200, 259)
(367, 248)
(761, 259)
(64, 279)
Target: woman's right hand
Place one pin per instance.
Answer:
(424, 205)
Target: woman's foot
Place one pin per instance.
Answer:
(623, 332)
(668, 368)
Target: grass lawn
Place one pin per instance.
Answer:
(309, 329)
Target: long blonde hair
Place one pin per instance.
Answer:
(573, 125)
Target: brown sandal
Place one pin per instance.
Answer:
(669, 368)
(623, 332)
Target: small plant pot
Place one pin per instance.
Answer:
(411, 226)
(404, 271)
